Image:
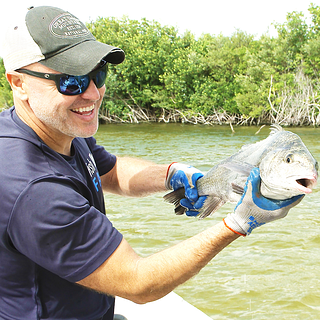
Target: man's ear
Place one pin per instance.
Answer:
(18, 84)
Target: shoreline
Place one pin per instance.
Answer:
(139, 115)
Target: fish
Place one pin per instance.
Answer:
(287, 169)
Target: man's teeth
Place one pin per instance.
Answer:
(81, 110)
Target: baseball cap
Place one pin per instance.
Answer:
(56, 39)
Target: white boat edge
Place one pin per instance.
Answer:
(170, 307)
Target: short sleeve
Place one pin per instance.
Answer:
(105, 161)
(53, 224)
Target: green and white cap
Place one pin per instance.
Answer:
(56, 39)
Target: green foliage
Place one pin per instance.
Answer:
(315, 16)
(6, 99)
(236, 75)
(149, 49)
(213, 73)
(311, 49)
(294, 34)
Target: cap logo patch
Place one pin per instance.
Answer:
(67, 26)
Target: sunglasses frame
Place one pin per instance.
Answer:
(56, 77)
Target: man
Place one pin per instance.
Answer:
(61, 258)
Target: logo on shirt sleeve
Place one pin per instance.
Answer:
(94, 174)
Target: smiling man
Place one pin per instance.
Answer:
(60, 118)
(61, 258)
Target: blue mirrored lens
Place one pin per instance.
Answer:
(73, 85)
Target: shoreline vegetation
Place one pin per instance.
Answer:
(236, 80)
(298, 108)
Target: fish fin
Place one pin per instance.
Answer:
(243, 168)
(175, 197)
(180, 210)
(237, 189)
(275, 128)
(211, 205)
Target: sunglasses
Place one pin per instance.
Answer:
(73, 85)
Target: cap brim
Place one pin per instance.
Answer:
(84, 57)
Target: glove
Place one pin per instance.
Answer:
(253, 210)
(183, 176)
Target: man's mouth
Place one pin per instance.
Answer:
(84, 111)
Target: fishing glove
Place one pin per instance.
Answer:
(253, 210)
(183, 176)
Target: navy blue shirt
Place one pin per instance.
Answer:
(53, 228)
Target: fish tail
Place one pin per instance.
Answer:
(175, 197)
(210, 205)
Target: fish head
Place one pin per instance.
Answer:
(288, 171)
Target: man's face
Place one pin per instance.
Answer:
(62, 116)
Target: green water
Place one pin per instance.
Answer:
(272, 274)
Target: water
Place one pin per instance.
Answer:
(272, 274)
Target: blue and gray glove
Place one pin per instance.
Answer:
(183, 176)
(253, 210)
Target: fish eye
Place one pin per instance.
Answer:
(317, 166)
(289, 158)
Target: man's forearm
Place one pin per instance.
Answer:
(135, 177)
(141, 280)
(169, 268)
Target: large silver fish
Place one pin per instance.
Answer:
(287, 169)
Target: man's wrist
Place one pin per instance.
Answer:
(229, 232)
(233, 227)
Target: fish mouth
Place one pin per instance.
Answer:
(306, 184)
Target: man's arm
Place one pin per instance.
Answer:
(135, 177)
(141, 280)
(127, 275)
